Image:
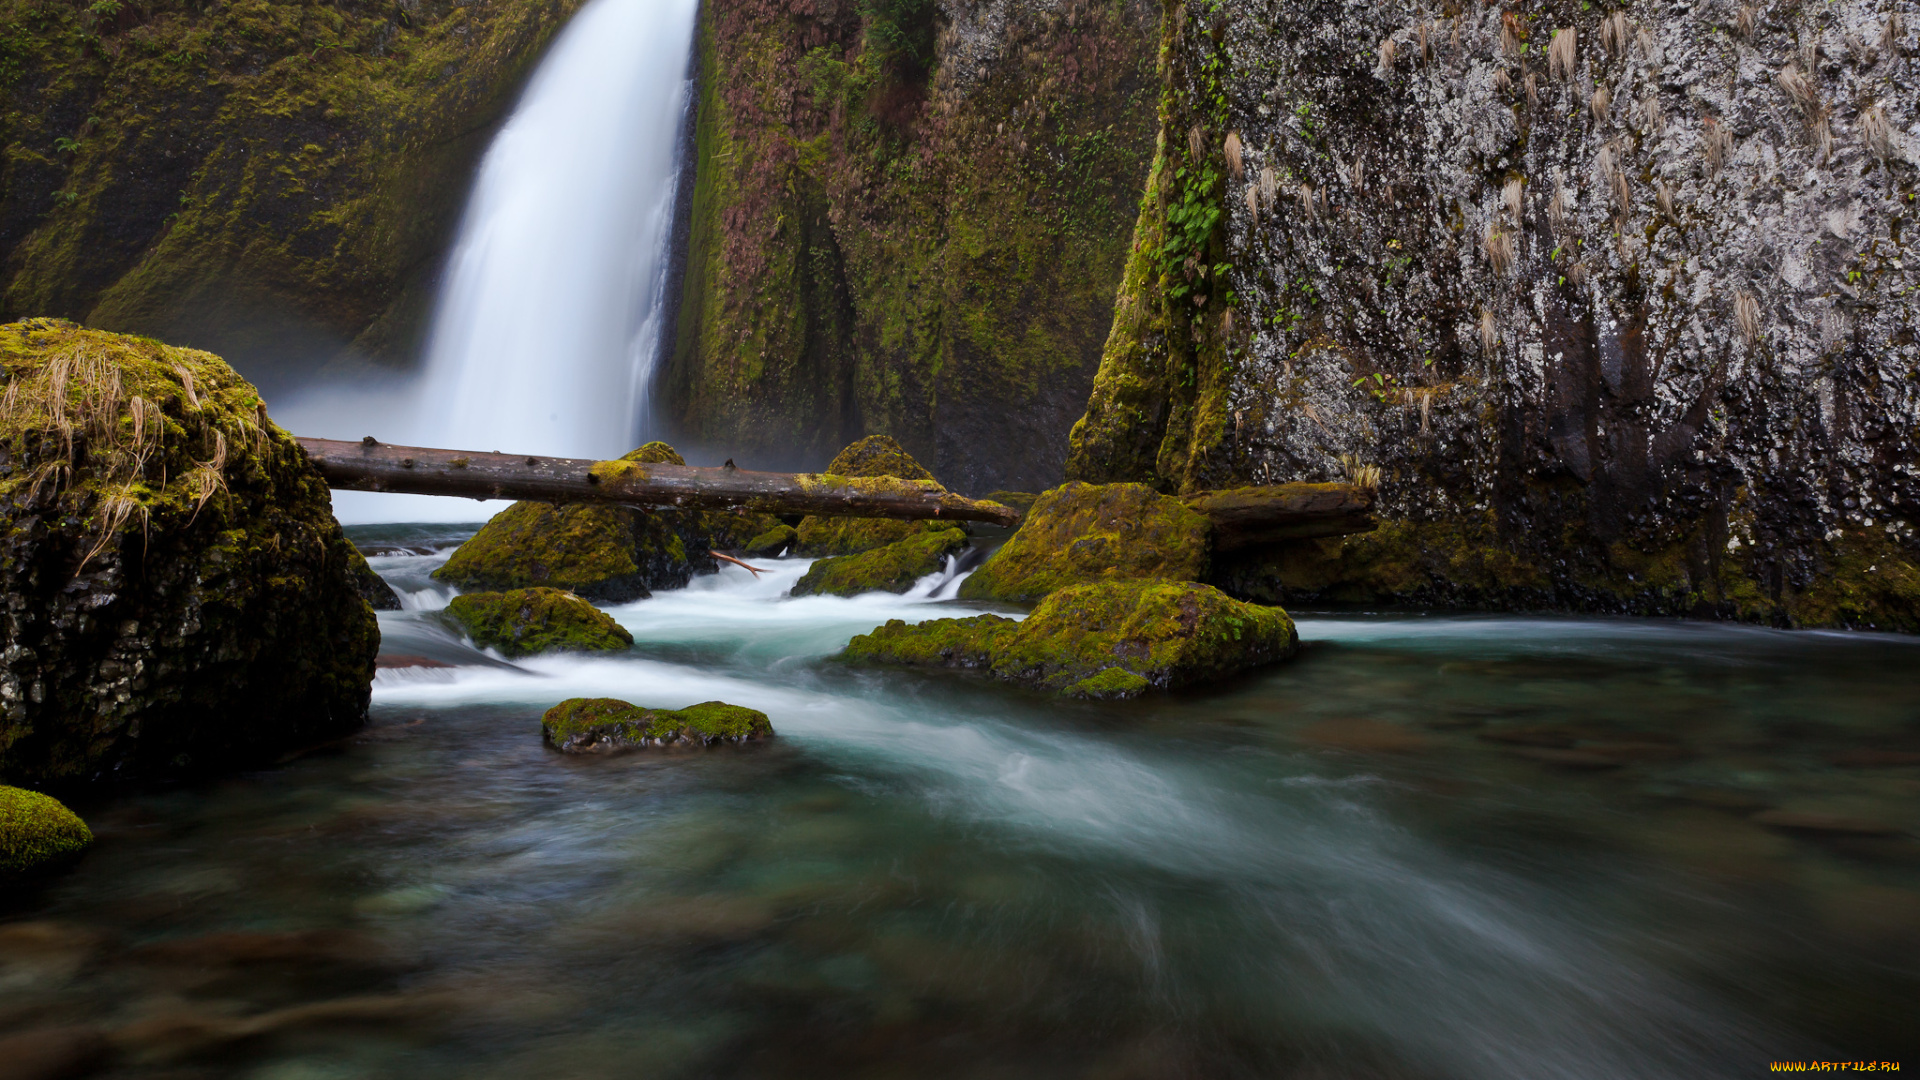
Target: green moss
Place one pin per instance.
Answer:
(606, 725)
(524, 622)
(1080, 533)
(893, 568)
(37, 832)
(772, 543)
(878, 455)
(872, 458)
(1019, 500)
(1113, 639)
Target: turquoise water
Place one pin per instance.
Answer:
(1430, 847)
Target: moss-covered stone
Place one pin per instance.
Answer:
(372, 587)
(1114, 639)
(1019, 500)
(773, 543)
(182, 598)
(37, 832)
(608, 725)
(1080, 533)
(893, 568)
(611, 554)
(524, 622)
(875, 455)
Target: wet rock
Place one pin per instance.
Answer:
(1080, 533)
(875, 455)
(407, 660)
(609, 554)
(893, 568)
(372, 587)
(57, 1053)
(773, 543)
(37, 832)
(524, 622)
(1111, 640)
(609, 725)
(1869, 758)
(180, 597)
(1565, 759)
(1818, 823)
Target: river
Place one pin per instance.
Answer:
(1432, 846)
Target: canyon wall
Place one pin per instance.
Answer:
(1613, 300)
(909, 219)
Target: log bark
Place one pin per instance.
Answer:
(1244, 517)
(373, 466)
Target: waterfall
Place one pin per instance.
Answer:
(550, 315)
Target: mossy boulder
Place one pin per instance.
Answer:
(1109, 640)
(37, 832)
(608, 725)
(893, 568)
(773, 543)
(875, 455)
(1079, 533)
(609, 554)
(180, 597)
(372, 587)
(1020, 500)
(524, 622)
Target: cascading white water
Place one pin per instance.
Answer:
(550, 317)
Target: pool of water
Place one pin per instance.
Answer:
(1430, 847)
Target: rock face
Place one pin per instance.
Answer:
(609, 725)
(611, 554)
(37, 833)
(893, 568)
(909, 218)
(1107, 640)
(1618, 301)
(875, 455)
(179, 596)
(1081, 533)
(529, 621)
(269, 181)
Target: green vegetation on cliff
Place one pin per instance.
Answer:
(1107, 640)
(183, 599)
(37, 832)
(525, 622)
(606, 725)
(1081, 533)
(257, 177)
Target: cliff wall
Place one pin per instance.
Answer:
(1615, 298)
(273, 181)
(909, 219)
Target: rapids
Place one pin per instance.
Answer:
(1379, 860)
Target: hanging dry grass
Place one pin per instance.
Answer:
(1563, 54)
(1253, 201)
(1877, 133)
(1489, 333)
(1502, 82)
(1719, 148)
(1746, 315)
(1425, 45)
(1196, 142)
(1746, 21)
(1235, 163)
(1557, 210)
(1359, 175)
(1512, 33)
(1386, 54)
(1663, 198)
(1890, 34)
(1359, 475)
(1601, 103)
(1652, 115)
(1511, 197)
(1533, 91)
(1268, 185)
(1615, 34)
(1800, 90)
(1498, 246)
(1309, 205)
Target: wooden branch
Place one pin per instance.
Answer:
(372, 466)
(1244, 517)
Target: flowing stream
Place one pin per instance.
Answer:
(1429, 847)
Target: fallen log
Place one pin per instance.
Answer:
(1244, 517)
(368, 465)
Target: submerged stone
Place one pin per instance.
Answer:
(611, 554)
(37, 832)
(608, 725)
(1081, 533)
(893, 568)
(524, 622)
(1110, 640)
(182, 598)
(875, 455)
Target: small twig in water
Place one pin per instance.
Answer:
(756, 570)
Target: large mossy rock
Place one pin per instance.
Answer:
(37, 833)
(1117, 639)
(523, 622)
(1080, 533)
(610, 554)
(608, 725)
(875, 455)
(893, 568)
(179, 596)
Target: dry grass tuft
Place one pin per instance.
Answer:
(1489, 333)
(1511, 197)
(1877, 133)
(1533, 91)
(1601, 103)
(1563, 53)
(1361, 476)
(1558, 209)
(1309, 205)
(1890, 34)
(1615, 34)
(1425, 45)
(1386, 53)
(1269, 185)
(1358, 175)
(1652, 115)
(1746, 315)
(1502, 82)
(1498, 246)
(1253, 201)
(1746, 21)
(1800, 90)
(1196, 143)
(1663, 198)
(1235, 163)
(1512, 32)
(1719, 146)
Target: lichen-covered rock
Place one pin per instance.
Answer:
(37, 832)
(1618, 299)
(608, 725)
(179, 596)
(524, 622)
(1080, 533)
(773, 543)
(1107, 640)
(893, 568)
(611, 554)
(875, 455)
